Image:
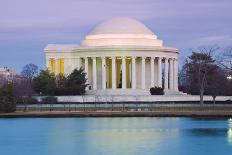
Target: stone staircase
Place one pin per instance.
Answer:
(174, 92)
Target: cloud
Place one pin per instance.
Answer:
(221, 40)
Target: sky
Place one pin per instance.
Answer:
(27, 26)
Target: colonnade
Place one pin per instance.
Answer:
(169, 72)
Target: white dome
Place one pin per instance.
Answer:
(121, 26)
(121, 32)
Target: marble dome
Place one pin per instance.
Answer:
(121, 32)
(121, 26)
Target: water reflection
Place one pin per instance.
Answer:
(229, 136)
(208, 132)
(129, 136)
(229, 131)
(116, 136)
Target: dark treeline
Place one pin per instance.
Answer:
(21, 89)
(46, 83)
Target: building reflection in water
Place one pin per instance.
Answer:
(229, 131)
(122, 135)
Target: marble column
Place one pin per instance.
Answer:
(166, 74)
(143, 73)
(103, 73)
(73, 64)
(123, 72)
(159, 72)
(94, 73)
(176, 74)
(86, 68)
(152, 72)
(48, 63)
(113, 73)
(78, 63)
(171, 74)
(133, 72)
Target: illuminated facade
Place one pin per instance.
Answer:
(121, 53)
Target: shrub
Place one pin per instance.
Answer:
(157, 91)
(49, 100)
(7, 104)
(7, 100)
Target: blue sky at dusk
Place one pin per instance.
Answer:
(26, 26)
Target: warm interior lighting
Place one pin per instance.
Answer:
(52, 65)
(61, 65)
(229, 77)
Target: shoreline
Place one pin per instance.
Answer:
(63, 114)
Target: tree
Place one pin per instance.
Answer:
(49, 84)
(44, 83)
(7, 99)
(198, 70)
(61, 81)
(217, 84)
(22, 87)
(225, 59)
(29, 71)
(76, 82)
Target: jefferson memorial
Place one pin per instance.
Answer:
(119, 55)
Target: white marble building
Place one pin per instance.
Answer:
(119, 54)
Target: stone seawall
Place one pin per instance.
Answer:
(203, 114)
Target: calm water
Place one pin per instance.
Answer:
(115, 136)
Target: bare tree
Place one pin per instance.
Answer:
(29, 71)
(198, 68)
(224, 60)
(22, 87)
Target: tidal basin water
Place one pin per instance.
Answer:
(115, 136)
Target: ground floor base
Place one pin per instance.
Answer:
(138, 99)
(133, 92)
